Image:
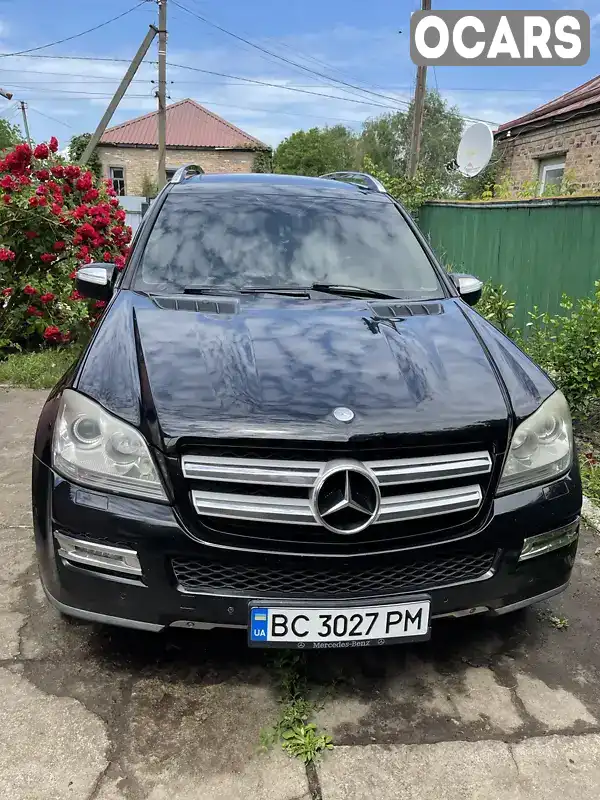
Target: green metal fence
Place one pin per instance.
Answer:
(538, 249)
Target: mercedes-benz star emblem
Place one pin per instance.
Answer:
(343, 414)
(346, 497)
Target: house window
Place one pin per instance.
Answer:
(117, 176)
(552, 173)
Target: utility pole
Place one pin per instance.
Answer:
(122, 88)
(418, 110)
(162, 92)
(25, 123)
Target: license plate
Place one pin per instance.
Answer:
(281, 626)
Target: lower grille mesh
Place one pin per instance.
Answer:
(330, 580)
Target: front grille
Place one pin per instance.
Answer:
(330, 580)
(270, 493)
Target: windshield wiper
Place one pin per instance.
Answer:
(207, 290)
(353, 291)
(291, 291)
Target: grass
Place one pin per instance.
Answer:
(40, 370)
(298, 737)
(590, 475)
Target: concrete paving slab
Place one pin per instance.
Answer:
(10, 625)
(50, 747)
(541, 768)
(16, 558)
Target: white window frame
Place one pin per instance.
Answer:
(550, 165)
(113, 179)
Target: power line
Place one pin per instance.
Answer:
(54, 119)
(281, 58)
(75, 36)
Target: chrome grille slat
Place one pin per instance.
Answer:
(305, 473)
(297, 511)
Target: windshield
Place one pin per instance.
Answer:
(224, 240)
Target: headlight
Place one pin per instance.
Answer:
(98, 450)
(541, 447)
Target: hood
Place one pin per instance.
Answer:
(277, 367)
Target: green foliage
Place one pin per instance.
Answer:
(482, 186)
(149, 186)
(77, 146)
(568, 347)
(496, 307)
(411, 192)
(590, 474)
(297, 736)
(502, 187)
(40, 370)
(263, 161)
(10, 134)
(316, 152)
(386, 141)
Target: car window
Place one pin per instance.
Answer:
(227, 240)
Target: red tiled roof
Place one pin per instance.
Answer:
(188, 125)
(588, 94)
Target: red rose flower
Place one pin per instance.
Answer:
(7, 182)
(24, 180)
(41, 190)
(75, 295)
(53, 144)
(86, 231)
(73, 274)
(83, 251)
(99, 303)
(91, 195)
(52, 333)
(72, 171)
(67, 189)
(119, 262)
(42, 174)
(58, 171)
(42, 201)
(56, 208)
(41, 151)
(7, 292)
(47, 297)
(30, 290)
(58, 246)
(33, 201)
(85, 182)
(47, 258)
(7, 198)
(114, 201)
(6, 254)
(31, 235)
(34, 312)
(120, 215)
(107, 257)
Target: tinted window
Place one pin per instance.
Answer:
(226, 240)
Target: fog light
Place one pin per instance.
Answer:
(102, 556)
(547, 542)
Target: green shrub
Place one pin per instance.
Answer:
(496, 307)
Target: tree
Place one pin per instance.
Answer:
(316, 151)
(386, 140)
(77, 146)
(10, 134)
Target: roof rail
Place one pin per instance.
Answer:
(185, 172)
(359, 178)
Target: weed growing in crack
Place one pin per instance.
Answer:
(293, 730)
(561, 623)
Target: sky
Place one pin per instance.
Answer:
(364, 43)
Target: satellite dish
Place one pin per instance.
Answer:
(475, 150)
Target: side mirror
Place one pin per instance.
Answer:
(469, 287)
(96, 281)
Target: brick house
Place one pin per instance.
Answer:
(558, 139)
(129, 152)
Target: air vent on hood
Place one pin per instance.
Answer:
(403, 310)
(203, 305)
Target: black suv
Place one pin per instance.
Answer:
(290, 420)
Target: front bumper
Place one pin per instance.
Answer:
(153, 600)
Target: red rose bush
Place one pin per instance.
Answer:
(54, 217)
